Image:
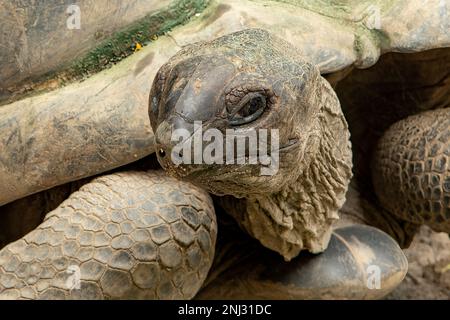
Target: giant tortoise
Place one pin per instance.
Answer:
(79, 163)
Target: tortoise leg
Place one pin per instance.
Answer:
(131, 235)
(361, 262)
(411, 169)
(22, 216)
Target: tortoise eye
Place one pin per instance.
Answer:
(250, 108)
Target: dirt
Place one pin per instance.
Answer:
(429, 268)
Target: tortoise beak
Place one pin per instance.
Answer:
(165, 142)
(173, 138)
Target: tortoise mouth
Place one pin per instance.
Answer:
(213, 171)
(292, 143)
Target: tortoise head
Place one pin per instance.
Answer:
(236, 115)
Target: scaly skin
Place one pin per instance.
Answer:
(411, 169)
(373, 100)
(293, 209)
(133, 235)
(287, 212)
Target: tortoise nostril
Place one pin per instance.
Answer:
(162, 153)
(180, 154)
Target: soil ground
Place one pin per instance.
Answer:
(429, 268)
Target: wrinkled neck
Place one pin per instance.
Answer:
(300, 216)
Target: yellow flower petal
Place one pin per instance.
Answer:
(138, 47)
